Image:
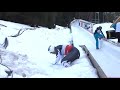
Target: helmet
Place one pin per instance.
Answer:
(51, 48)
(100, 27)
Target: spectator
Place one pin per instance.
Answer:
(98, 35)
(117, 30)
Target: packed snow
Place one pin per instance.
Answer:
(27, 55)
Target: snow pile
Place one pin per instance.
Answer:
(28, 57)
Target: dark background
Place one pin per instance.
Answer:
(48, 19)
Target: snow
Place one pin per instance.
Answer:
(12, 25)
(107, 57)
(28, 57)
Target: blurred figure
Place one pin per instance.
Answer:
(98, 35)
(66, 53)
(117, 30)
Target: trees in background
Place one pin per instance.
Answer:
(49, 19)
